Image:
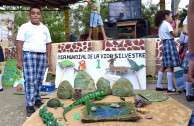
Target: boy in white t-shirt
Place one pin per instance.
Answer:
(33, 55)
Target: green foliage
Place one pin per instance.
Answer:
(148, 12)
(182, 16)
(54, 20)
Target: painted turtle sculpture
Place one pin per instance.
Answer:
(54, 102)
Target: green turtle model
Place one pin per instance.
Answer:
(54, 102)
(66, 63)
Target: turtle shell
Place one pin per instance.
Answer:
(53, 103)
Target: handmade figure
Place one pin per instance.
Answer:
(134, 67)
(94, 95)
(64, 64)
(82, 65)
(11, 36)
(115, 69)
(77, 94)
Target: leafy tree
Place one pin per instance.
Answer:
(54, 20)
(182, 16)
(148, 12)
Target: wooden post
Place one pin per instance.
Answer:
(62, 75)
(67, 25)
(162, 4)
(114, 80)
(95, 33)
(138, 80)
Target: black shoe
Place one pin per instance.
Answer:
(190, 98)
(175, 91)
(38, 103)
(1, 89)
(161, 89)
(29, 111)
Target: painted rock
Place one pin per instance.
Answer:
(123, 88)
(104, 84)
(64, 90)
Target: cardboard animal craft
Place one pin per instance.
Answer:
(120, 69)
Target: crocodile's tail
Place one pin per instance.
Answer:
(70, 107)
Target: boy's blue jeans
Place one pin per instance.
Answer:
(34, 67)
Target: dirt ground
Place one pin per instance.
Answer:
(13, 112)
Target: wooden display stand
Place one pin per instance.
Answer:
(131, 24)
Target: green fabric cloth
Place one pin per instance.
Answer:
(96, 3)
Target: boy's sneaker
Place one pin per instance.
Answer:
(29, 111)
(1, 89)
(38, 103)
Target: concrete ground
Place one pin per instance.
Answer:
(13, 111)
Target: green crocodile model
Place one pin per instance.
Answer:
(93, 95)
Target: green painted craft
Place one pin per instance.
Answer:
(123, 88)
(76, 116)
(85, 82)
(48, 117)
(104, 84)
(64, 90)
(53, 103)
(153, 96)
(93, 95)
(134, 65)
(66, 63)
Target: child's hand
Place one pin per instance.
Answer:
(95, 8)
(177, 22)
(49, 63)
(20, 65)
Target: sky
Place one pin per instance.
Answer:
(182, 3)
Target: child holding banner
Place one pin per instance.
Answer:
(33, 55)
(170, 57)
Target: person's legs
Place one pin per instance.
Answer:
(189, 95)
(184, 79)
(90, 34)
(159, 81)
(170, 79)
(93, 24)
(41, 68)
(103, 33)
(191, 120)
(29, 72)
(100, 23)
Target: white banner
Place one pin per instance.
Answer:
(97, 62)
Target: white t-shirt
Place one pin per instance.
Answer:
(183, 38)
(164, 30)
(35, 37)
(185, 21)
